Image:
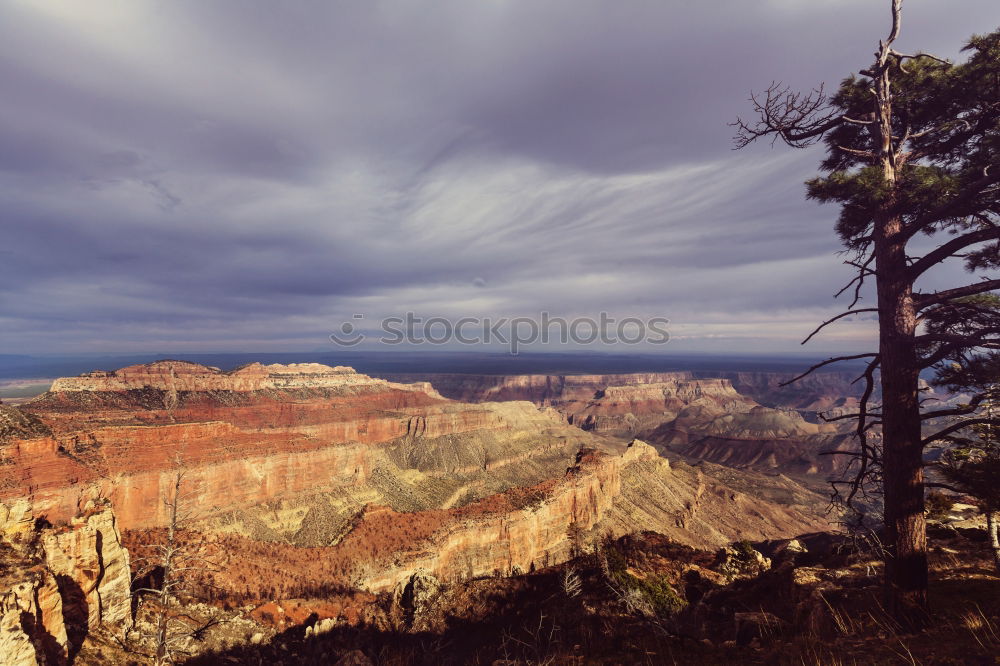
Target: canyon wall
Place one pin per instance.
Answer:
(185, 376)
(539, 389)
(820, 390)
(523, 528)
(58, 582)
(259, 434)
(713, 416)
(314, 475)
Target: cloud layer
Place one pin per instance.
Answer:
(240, 175)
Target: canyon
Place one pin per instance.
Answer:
(305, 454)
(306, 477)
(743, 419)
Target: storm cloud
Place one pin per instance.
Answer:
(247, 175)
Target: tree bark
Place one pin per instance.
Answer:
(902, 472)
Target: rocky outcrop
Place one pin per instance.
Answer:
(513, 532)
(709, 415)
(32, 630)
(638, 408)
(178, 376)
(818, 391)
(58, 583)
(88, 559)
(539, 389)
(626, 404)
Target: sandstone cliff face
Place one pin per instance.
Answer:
(636, 408)
(88, 556)
(264, 434)
(493, 536)
(712, 416)
(599, 493)
(31, 620)
(818, 391)
(58, 583)
(379, 480)
(627, 404)
(821, 390)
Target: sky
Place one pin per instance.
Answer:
(247, 176)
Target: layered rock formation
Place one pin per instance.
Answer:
(177, 376)
(58, 583)
(619, 404)
(539, 389)
(523, 528)
(246, 437)
(329, 475)
(818, 391)
(715, 418)
(760, 438)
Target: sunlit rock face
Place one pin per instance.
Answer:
(244, 437)
(600, 493)
(186, 376)
(89, 556)
(58, 582)
(817, 391)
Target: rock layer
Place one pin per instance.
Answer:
(328, 475)
(247, 437)
(715, 418)
(523, 528)
(58, 583)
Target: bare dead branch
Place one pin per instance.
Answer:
(798, 119)
(817, 366)
(833, 319)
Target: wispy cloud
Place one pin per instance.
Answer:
(217, 175)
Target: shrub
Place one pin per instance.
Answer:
(653, 591)
(938, 505)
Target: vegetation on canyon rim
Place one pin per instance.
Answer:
(911, 151)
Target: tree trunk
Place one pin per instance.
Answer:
(991, 529)
(902, 469)
(902, 472)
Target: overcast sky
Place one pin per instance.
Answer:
(211, 176)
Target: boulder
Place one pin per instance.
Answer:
(740, 561)
(416, 595)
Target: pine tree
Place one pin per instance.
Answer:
(912, 151)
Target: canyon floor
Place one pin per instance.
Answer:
(421, 513)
